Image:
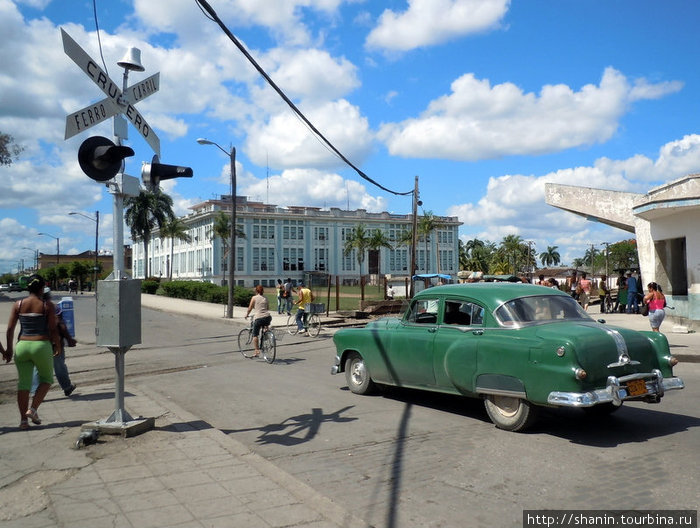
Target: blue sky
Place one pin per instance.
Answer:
(484, 100)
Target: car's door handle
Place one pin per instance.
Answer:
(432, 330)
(478, 332)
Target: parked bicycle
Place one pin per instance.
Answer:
(311, 320)
(268, 343)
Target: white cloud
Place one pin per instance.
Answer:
(514, 204)
(312, 187)
(478, 121)
(284, 141)
(430, 22)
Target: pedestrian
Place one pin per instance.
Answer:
(288, 291)
(572, 284)
(618, 283)
(584, 288)
(541, 281)
(261, 317)
(306, 297)
(632, 293)
(390, 293)
(552, 283)
(622, 295)
(59, 359)
(281, 303)
(603, 292)
(656, 300)
(37, 318)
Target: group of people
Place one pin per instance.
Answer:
(39, 350)
(629, 295)
(260, 307)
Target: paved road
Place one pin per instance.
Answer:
(404, 458)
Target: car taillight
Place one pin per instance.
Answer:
(673, 361)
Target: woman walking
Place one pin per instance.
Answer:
(657, 302)
(35, 347)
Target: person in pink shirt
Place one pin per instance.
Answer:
(656, 300)
(585, 296)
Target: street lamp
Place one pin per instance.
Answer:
(35, 252)
(58, 245)
(232, 251)
(97, 238)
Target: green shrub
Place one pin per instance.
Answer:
(149, 286)
(203, 291)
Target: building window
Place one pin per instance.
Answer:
(321, 234)
(293, 230)
(263, 259)
(320, 259)
(293, 259)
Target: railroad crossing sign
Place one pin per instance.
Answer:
(115, 103)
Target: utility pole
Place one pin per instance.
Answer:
(414, 241)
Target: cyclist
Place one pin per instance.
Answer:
(306, 297)
(262, 315)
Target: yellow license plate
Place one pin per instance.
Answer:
(636, 387)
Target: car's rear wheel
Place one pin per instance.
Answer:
(357, 376)
(510, 413)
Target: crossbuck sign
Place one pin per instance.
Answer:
(115, 103)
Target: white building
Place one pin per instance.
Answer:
(665, 222)
(282, 242)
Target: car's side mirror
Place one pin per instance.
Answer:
(601, 321)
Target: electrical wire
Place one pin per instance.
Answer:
(97, 29)
(211, 14)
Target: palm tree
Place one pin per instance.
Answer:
(144, 213)
(174, 229)
(512, 245)
(426, 225)
(222, 229)
(358, 240)
(551, 256)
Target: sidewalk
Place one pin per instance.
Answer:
(182, 473)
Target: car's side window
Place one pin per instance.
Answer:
(424, 311)
(463, 313)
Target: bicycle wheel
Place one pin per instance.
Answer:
(269, 346)
(292, 328)
(314, 325)
(245, 343)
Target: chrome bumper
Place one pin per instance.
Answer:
(336, 368)
(616, 391)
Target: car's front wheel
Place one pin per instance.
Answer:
(510, 413)
(357, 375)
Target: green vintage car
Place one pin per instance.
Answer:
(517, 346)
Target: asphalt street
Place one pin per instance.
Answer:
(402, 458)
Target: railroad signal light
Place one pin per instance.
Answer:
(101, 159)
(152, 173)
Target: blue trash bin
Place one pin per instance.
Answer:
(66, 304)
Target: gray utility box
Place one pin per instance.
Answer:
(118, 313)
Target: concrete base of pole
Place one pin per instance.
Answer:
(124, 429)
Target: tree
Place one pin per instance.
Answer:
(551, 257)
(359, 241)
(144, 213)
(512, 248)
(174, 229)
(222, 229)
(426, 225)
(9, 150)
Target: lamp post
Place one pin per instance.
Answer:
(58, 245)
(35, 252)
(232, 243)
(97, 238)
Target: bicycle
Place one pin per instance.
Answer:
(267, 341)
(312, 321)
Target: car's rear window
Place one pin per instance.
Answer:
(540, 308)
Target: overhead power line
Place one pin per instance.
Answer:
(211, 14)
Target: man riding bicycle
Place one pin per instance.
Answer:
(306, 297)
(262, 317)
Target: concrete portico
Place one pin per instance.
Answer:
(665, 222)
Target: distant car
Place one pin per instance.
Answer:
(14, 286)
(519, 347)
(4, 287)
